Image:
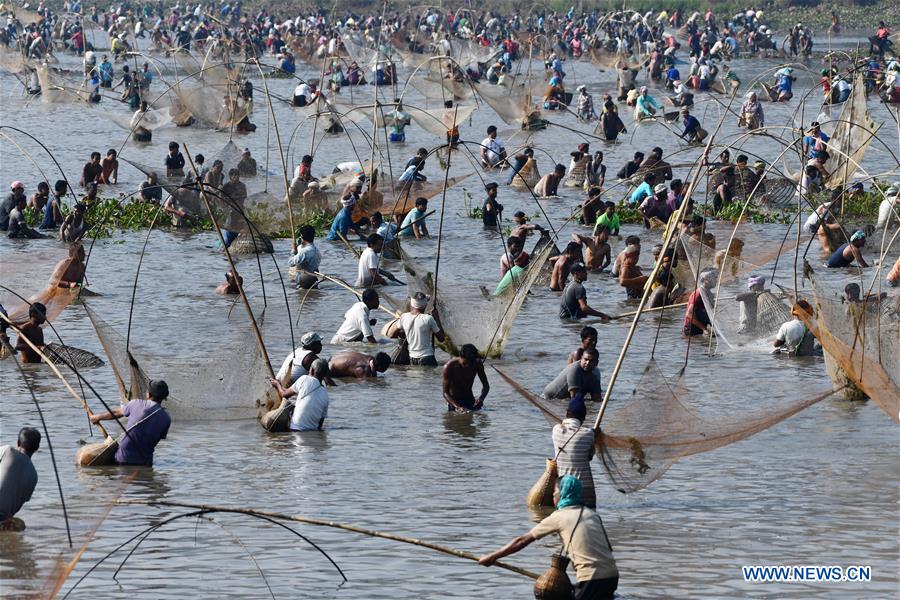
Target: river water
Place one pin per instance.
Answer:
(820, 488)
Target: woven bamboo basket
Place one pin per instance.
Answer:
(541, 493)
(554, 583)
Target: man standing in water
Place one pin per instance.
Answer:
(18, 477)
(584, 540)
(311, 406)
(573, 304)
(357, 325)
(491, 211)
(417, 328)
(32, 332)
(148, 423)
(298, 362)
(493, 153)
(573, 447)
(578, 379)
(459, 375)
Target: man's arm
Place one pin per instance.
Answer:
(511, 548)
(582, 303)
(485, 386)
(858, 256)
(115, 413)
(284, 393)
(448, 396)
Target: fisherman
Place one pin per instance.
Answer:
(417, 328)
(39, 199)
(814, 137)
(584, 540)
(307, 259)
(493, 153)
(231, 285)
(849, 252)
(31, 331)
(299, 361)
(630, 275)
(343, 220)
(311, 406)
(696, 319)
(656, 206)
(609, 219)
(247, 165)
(17, 226)
(597, 249)
(356, 364)
(573, 446)
(585, 110)
(588, 337)
(644, 190)
(514, 274)
(631, 167)
(645, 106)
(749, 303)
(578, 379)
(305, 93)
(357, 325)
(18, 477)
(109, 168)
(693, 131)
(369, 272)
(148, 423)
(414, 223)
(91, 171)
(752, 116)
(17, 190)
(548, 186)
(515, 252)
(573, 304)
(562, 265)
(398, 120)
(491, 211)
(459, 376)
(174, 161)
(610, 124)
(793, 337)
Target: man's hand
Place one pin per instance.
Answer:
(95, 419)
(487, 560)
(373, 321)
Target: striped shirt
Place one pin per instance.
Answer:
(573, 446)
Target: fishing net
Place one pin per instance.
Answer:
(69, 355)
(215, 106)
(852, 135)
(862, 339)
(511, 105)
(467, 315)
(468, 52)
(230, 384)
(151, 119)
(440, 121)
(23, 269)
(11, 60)
(435, 87)
(648, 432)
(55, 87)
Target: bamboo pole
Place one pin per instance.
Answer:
(256, 332)
(675, 219)
(332, 524)
(437, 262)
(56, 371)
(648, 310)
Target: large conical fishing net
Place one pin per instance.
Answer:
(863, 339)
(23, 269)
(55, 87)
(435, 87)
(468, 52)
(467, 316)
(152, 119)
(644, 435)
(230, 384)
(214, 106)
(439, 121)
(852, 135)
(511, 105)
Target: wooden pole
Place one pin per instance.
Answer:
(437, 262)
(332, 524)
(237, 279)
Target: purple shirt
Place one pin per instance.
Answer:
(147, 424)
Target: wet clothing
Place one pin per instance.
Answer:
(35, 335)
(418, 329)
(489, 217)
(574, 378)
(18, 478)
(695, 305)
(573, 447)
(796, 337)
(837, 260)
(569, 307)
(148, 423)
(356, 326)
(294, 363)
(584, 540)
(311, 405)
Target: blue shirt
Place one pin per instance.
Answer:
(341, 223)
(387, 231)
(406, 227)
(691, 124)
(307, 258)
(784, 85)
(148, 423)
(641, 192)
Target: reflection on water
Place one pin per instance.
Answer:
(819, 488)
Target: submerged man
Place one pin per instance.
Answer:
(18, 477)
(148, 423)
(793, 337)
(459, 376)
(849, 252)
(32, 332)
(357, 325)
(573, 304)
(358, 365)
(584, 540)
(578, 379)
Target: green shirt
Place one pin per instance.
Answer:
(611, 223)
(507, 280)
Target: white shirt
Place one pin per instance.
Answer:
(303, 90)
(791, 333)
(368, 260)
(297, 369)
(356, 322)
(311, 405)
(418, 329)
(812, 222)
(494, 148)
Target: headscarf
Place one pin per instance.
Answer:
(569, 492)
(859, 234)
(755, 280)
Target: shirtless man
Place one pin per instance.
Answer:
(229, 287)
(562, 264)
(588, 341)
(69, 272)
(630, 275)
(597, 251)
(358, 365)
(32, 331)
(459, 375)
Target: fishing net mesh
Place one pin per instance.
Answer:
(21, 268)
(852, 135)
(511, 105)
(440, 121)
(863, 340)
(230, 384)
(648, 432)
(467, 316)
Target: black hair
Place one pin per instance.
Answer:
(307, 233)
(44, 184)
(233, 171)
(377, 216)
(29, 440)
(382, 361)
(638, 155)
(199, 159)
(593, 351)
(650, 177)
(421, 201)
(369, 295)
(559, 168)
(588, 332)
(741, 158)
(60, 186)
(632, 239)
(491, 129)
(173, 146)
(37, 309)
(468, 351)
(373, 239)
(95, 154)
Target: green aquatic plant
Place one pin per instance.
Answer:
(638, 457)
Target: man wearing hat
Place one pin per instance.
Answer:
(418, 327)
(693, 133)
(148, 423)
(793, 337)
(573, 443)
(298, 362)
(491, 210)
(656, 205)
(17, 190)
